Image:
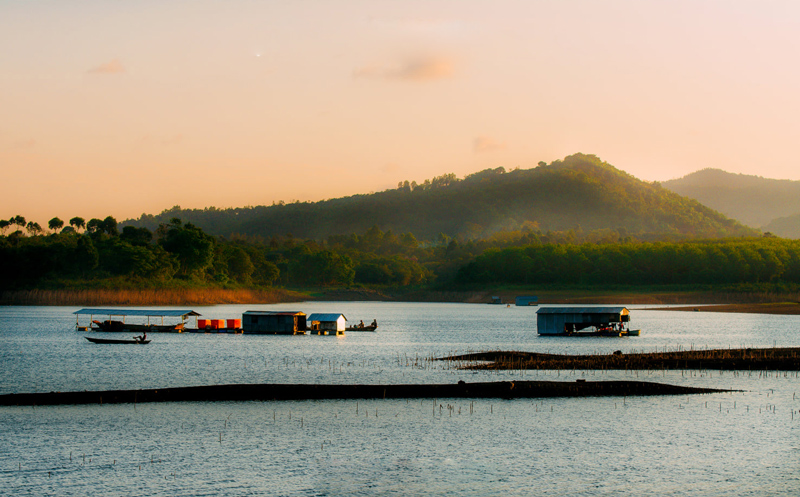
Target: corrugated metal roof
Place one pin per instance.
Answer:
(325, 316)
(140, 312)
(273, 313)
(581, 310)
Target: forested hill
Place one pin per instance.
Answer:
(752, 200)
(579, 192)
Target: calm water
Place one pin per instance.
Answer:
(742, 443)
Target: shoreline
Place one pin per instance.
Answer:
(282, 392)
(685, 300)
(782, 308)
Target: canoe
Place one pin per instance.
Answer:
(107, 340)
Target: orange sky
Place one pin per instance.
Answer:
(129, 107)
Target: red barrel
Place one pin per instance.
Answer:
(202, 323)
(234, 324)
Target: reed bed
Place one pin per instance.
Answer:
(775, 359)
(163, 296)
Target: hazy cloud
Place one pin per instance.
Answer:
(391, 167)
(414, 69)
(113, 67)
(486, 144)
(26, 143)
(162, 140)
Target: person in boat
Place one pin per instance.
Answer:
(361, 324)
(142, 337)
(374, 323)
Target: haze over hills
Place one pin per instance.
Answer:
(579, 192)
(753, 200)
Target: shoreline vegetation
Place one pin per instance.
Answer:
(749, 359)
(143, 297)
(694, 301)
(272, 392)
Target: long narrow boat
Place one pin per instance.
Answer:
(108, 340)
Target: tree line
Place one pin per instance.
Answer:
(98, 252)
(707, 262)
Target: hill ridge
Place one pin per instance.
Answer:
(580, 192)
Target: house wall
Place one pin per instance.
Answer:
(273, 324)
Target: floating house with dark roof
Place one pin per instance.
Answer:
(274, 322)
(593, 321)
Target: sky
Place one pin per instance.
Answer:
(130, 107)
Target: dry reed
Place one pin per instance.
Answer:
(167, 296)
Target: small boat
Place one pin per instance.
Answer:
(371, 327)
(108, 340)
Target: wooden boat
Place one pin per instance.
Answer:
(110, 325)
(108, 340)
(362, 328)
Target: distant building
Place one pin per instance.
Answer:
(326, 322)
(570, 320)
(272, 322)
(529, 300)
(497, 300)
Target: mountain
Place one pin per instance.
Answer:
(752, 200)
(579, 192)
(786, 227)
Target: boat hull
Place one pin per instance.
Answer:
(117, 342)
(365, 328)
(117, 326)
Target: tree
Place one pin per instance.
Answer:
(55, 224)
(77, 223)
(136, 236)
(193, 247)
(4, 225)
(94, 226)
(240, 266)
(109, 226)
(33, 228)
(19, 221)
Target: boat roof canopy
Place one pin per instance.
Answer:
(583, 310)
(182, 313)
(325, 316)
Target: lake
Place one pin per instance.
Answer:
(745, 442)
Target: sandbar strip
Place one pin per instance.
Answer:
(270, 392)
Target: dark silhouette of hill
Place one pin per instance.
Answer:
(579, 192)
(752, 200)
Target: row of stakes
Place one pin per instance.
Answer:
(771, 408)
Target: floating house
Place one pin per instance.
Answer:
(527, 300)
(274, 323)
(326, 323)
(497, 300)
(597, 321)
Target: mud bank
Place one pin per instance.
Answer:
(269, 392)
(774, 359)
